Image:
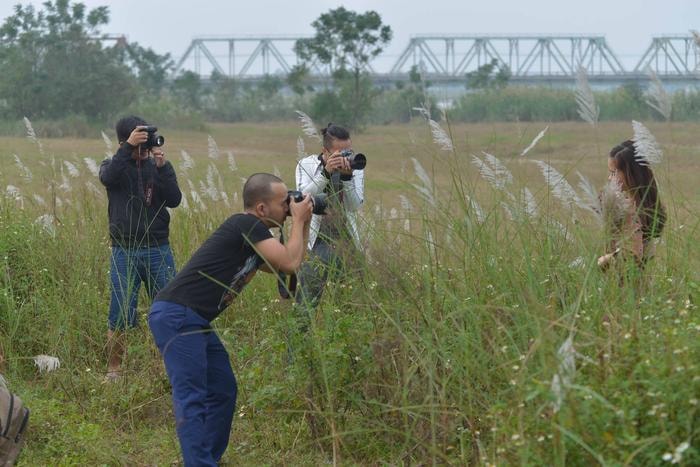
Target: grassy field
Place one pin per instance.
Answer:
(442, 350)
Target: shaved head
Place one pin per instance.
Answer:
(258, 188)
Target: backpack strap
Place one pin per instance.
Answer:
(9, 415)
(25, 419)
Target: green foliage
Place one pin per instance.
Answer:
(396, 105)
(686, 105)
(345, 39)
(53, 67)
(489, 76)
(348, 103)
(75, 126)
(516, 103)
(151, 68)
(519, 103)
(439, 349)
(298, 78)
(624, 103)
(229, 100)
(164, 111)
(188, 90)
(347, 42)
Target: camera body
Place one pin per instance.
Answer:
(154, 139)
(358, 161)
(319, 201)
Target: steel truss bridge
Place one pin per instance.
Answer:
(530, 58)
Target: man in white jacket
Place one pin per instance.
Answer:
(333, 237)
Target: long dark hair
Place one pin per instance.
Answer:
(641, 186)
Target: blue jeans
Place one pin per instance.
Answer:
(154, 266)
(204, 387)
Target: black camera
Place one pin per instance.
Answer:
(319, 201)
(358, 161)
(154, 139)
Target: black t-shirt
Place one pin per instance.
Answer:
(218, 270)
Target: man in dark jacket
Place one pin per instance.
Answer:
(140, 184)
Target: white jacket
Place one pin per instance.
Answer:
(310, 179)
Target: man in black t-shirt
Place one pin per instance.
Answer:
(204, 386)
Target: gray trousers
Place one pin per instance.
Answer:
(323, 264)
(326, 262)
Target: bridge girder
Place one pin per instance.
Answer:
(523, 55)
(528, 57)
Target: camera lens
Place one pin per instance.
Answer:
(358, 161)
(320, 201)
(159, 141)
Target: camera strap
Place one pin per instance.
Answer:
(146, 190)
(335, 182)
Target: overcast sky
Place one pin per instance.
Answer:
(169, 25)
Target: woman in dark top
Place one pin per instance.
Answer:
(641, 216)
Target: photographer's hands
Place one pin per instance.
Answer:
(159, 157)
(338, 163)
(606, 260)
(138, 136)
(302, 210)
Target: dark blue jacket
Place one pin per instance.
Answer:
(138, 193)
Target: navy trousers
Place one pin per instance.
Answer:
(204, 386)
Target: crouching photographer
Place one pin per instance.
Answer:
(140, 185)
(334, 241)
(198, 366)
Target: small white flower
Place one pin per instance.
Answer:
(212, 148)
(46, 363)
(308, 126)
(46, 221)
(13, 192)
(648, 151)
(72, 169)
(92, 166)
(535, 141)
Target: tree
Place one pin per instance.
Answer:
(344, 104)
(489, 76)
(346, 42)
(53, 66)
(151, 68)
(187, 89)
(298, 79)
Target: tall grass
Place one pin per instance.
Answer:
(478, 329)
(525, 104)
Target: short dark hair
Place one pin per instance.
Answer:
(332, 133)
(126, 125)
(258, 187)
